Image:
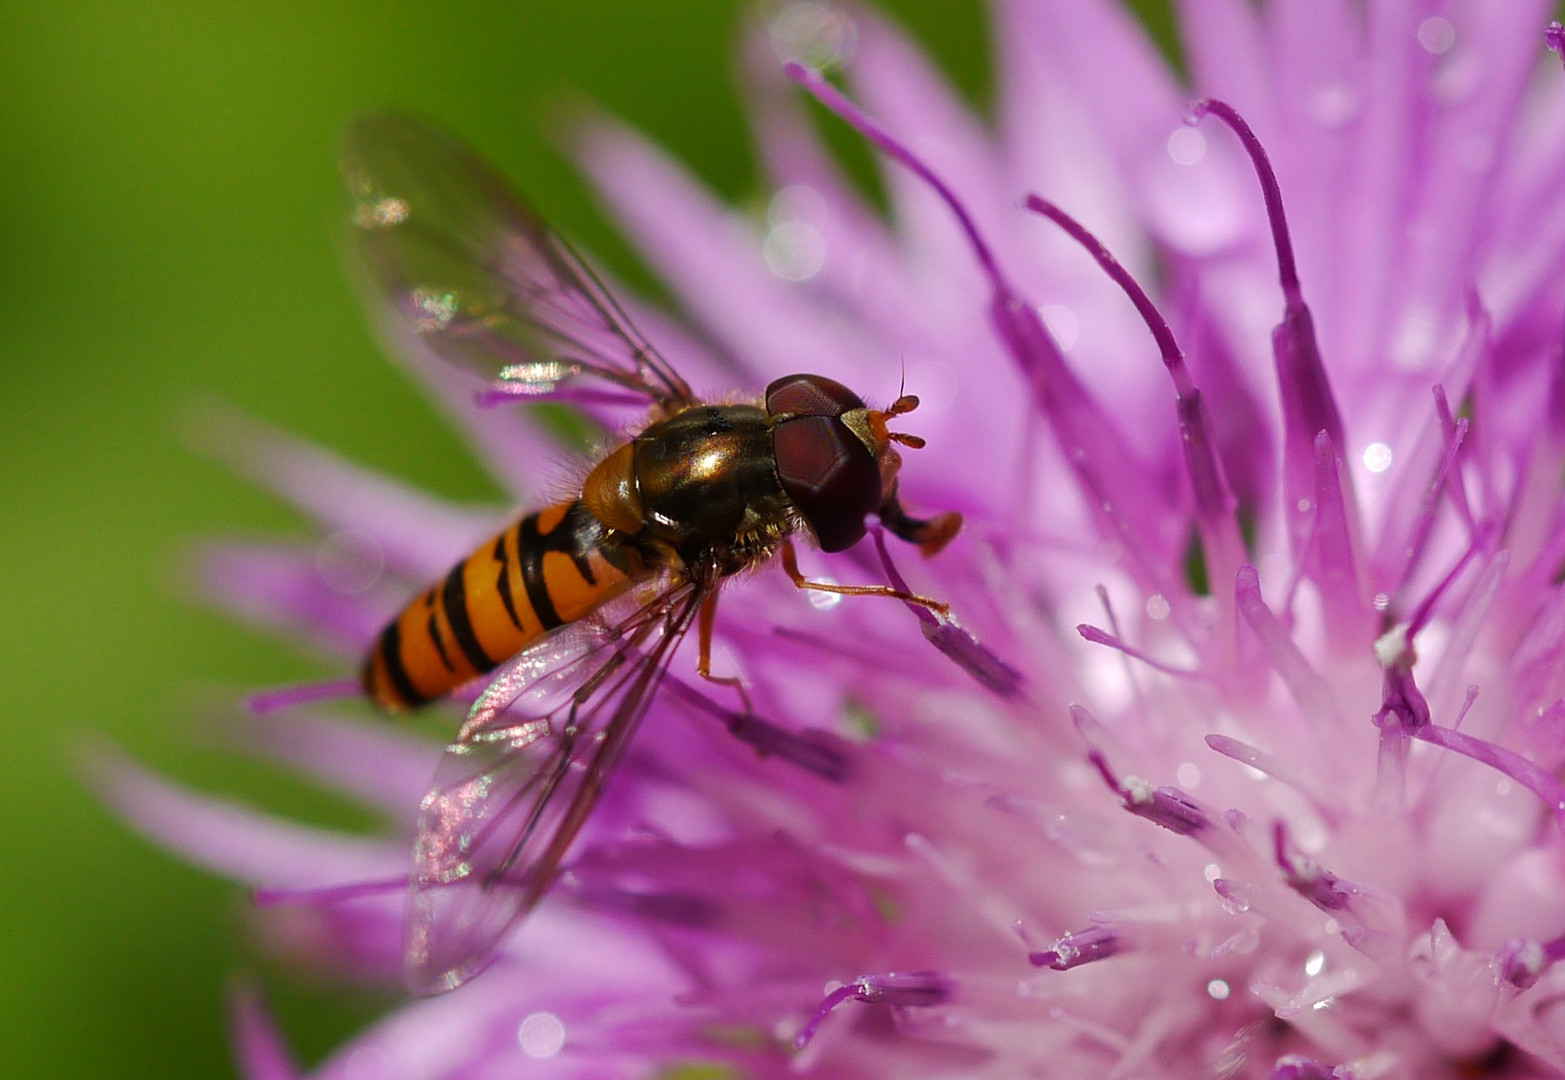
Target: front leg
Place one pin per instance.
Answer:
(790, 562)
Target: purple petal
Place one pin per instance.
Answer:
(257, 1042)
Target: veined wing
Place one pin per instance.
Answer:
(465, 262)
(522, 776)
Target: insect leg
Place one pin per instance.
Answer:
(704, 662)
(790, 564)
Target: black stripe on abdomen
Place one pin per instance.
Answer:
(391, 655)
(453, 597)
(503, 579)
(530, 548)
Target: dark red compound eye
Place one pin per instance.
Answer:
(828, 472)
(810, 395)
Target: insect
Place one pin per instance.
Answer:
(573, 613)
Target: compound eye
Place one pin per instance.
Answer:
(810, 395)
(830, 475)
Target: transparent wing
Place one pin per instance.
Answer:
(459, 256)
(524, 772)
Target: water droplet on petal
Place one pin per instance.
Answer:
(1186, 145)
(794, 251)
(1436, 34)
(1218, 990)
(1158, 607)
(1377, 457)
(1235, 894)
(1334, 105)
(815, 35)
(823, 601)
(349, 561)
(541, 1035)
(1062, 323)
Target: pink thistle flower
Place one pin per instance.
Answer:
(1243, 760)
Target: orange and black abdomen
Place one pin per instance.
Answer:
(550, 568)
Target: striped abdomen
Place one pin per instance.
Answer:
(548, 569)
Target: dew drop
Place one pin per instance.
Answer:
(1062, 323)
(1212, 872)
(1334, 105)
(794, 250)
(1415, 337)
(815, 35)
(1218, 989)
(1382, 601)
(1235, 895)
(349, 561)
(1436, 34)
(1189, 775)
(365, 1063)
(1157, 607)
(380, 213)
(1186, 145)
(1315, 963)
(823, 601)
(541, 1035)
(1377, 457)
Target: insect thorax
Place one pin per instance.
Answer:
(704, 486)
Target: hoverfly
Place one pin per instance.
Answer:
(573, 613)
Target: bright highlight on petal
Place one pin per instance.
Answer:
(1239, 750)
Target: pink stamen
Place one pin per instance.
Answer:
(1273, 765)
(1078, 948)
(1523, 960)
(1481, 544)
(1308, 404)
(267, 702)
(1222, 543)
(1309, 689)
(1087, 436)
(1335, 564)
(1320, 887)
(919, 989)
(1453, 425)
(829, 96)
(1539, 781)
(1271, 191)
(1173, 356)
(1101, 637)
(1165, 806)
(815, 751)
(944, 634)
(1424, 525)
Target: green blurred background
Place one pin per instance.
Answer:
(169, 230)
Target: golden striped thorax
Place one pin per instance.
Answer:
(700, 487)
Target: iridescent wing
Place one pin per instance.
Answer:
(522, 776)
(461, 258)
